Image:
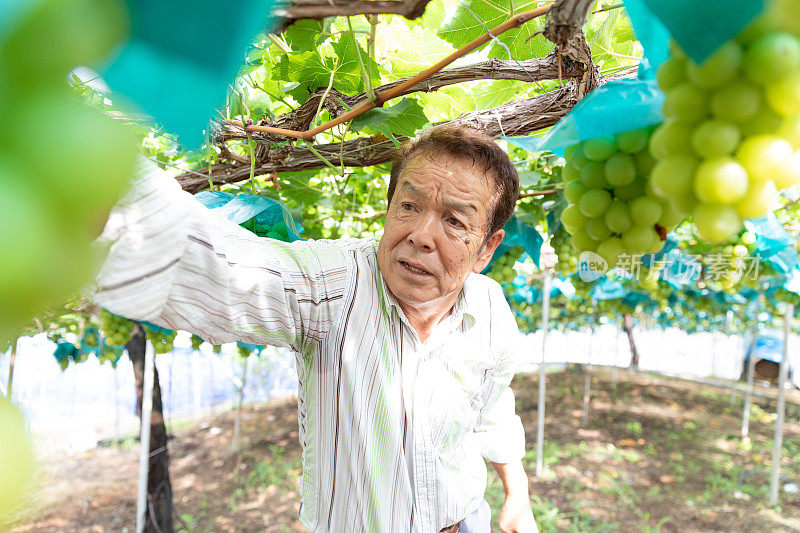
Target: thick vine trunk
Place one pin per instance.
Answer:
(159, 489)
(627, 323)
(317, 9)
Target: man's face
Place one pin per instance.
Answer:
(435, 230)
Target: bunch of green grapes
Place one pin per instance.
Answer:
(62, 164)
(90, 338)
(503, 266)
(116, 329)
(111, 354)
(161, 340)
(567, 255)
(612, 210)
(196, 342)
(732, 129)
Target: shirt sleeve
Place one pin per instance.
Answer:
(499, 429)
(175, 263)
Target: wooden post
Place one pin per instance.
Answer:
(144, 440)
(158, 505)
(774, 483)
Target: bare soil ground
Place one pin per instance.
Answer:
(657, 454)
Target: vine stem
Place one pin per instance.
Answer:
(366, 76)
(250, 143)
(545, 192)
(314, 151)
(341, 153)
(324, 96)
(607, 8)
(373, 26)
(280, 43)
(512, 22)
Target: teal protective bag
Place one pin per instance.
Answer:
(182, 55)
(252, 347)
(518, 234)
(607, 289)
(633, 299)
(651, 33)
(66, 350)
(617, 106)
(773, 243)
(255, 212)
(700, 27)
(155, 329)
(681, 270)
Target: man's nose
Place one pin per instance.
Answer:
(423, 234)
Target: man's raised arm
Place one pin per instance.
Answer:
(175, 263)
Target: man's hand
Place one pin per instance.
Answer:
(515, 515)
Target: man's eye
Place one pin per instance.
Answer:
(407, 207)
(455, 222)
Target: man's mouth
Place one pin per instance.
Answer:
(414, 269)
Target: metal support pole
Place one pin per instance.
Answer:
(11, 368)
(144, 439)
(713, 353)
(751, 365)
(774, 482)
(238, 424)
(543, 374)
(616, 357)
(587, 383)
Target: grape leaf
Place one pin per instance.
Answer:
(312, 70)
(497, 92)
(409, 50)
(447, 103)
(472, 18)
(433, 18)
(306, 35)
(403, 118)
(522, 42)
(529, 178)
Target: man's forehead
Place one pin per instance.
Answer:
(444, 160)
(465, 203)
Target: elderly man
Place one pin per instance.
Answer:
(404, 351)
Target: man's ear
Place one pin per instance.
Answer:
(488, 250)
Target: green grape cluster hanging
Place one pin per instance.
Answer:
(117, 329)
(196, 342)
(612, 211)
(162, 341)
(567, 255)
(732, 128)
(503, 266)
(90, 338)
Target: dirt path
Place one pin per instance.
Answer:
(655, 450)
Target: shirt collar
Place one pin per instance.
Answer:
(464, 309)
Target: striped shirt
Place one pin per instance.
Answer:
(394, 431)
